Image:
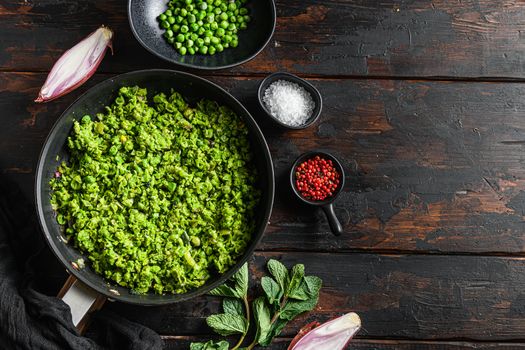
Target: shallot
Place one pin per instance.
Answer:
(76, 65)
(332, 335)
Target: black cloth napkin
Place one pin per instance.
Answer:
(32, 320)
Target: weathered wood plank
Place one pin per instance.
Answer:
(412, 297)
(431, 166)
(472, 38)
(182, 343)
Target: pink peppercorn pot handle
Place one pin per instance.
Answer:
(335, 225)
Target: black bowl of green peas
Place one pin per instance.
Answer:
(203, 34)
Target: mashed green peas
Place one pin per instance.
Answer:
(158, 195)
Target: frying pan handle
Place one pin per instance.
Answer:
(82, 300)
(335, 225)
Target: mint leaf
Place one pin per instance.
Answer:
(294, 308)
(227, 324)
(296, 277)
(301, 292)
(271, 289)
(313, 284)
(309, 287)
(261, 314)
(240, 287)
(275, 330)
(232, 306)
(279, 272)
(241, 281)
(224, 291)
(210, 345)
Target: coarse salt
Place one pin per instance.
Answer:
(289, 102)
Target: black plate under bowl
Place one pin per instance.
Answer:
(142, 17)
(193, 88)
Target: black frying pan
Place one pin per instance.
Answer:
(193, 89)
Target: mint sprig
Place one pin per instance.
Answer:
(286, 294)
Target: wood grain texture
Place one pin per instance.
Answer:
(412, 297)
(431, 166)
(183, 342)
(425, 38)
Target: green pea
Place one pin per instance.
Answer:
(234, 43)
(232, 19)
(175, 28)
(203, 6)
(182, 50)
(194, 27)
(162, 17)
(200, 23)
(247, 18)
(164, 24)
(192, 18)
(193, 36)
(183, 12)
(179, 19)
(176, 11)
(180, 38)
(207, 40)
(188, 2)
(195, 241)
(232, 27)
(226, 45)
(223, 16)
(171, 20)
(243, 11)
(219, 48)
(178, 45)
(171, 40)
(217, 3)
(214, 26)
(191, 50)
(210, 18)
(168, 13)
(232, 6)
(200, 31)
(184, 29)
(190, 7)
(168, 33)
(206, 26)
(189, 43)
(220, 32)
(208, 33)
(243, 26)
(227, 38)
(201, 15)
(214, 40)
(217, 11)
(223, 7)
(200, 42)
(211, 50)
(224, 24)
(203, 50)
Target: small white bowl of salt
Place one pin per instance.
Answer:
(291, 102)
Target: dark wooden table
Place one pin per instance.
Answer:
(424, 103)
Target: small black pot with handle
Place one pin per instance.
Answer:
(327, 204)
